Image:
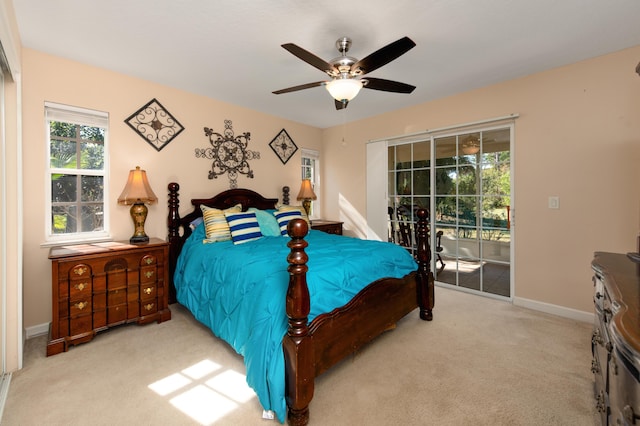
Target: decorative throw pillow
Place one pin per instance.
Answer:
(215, 223)
(303, 213)
(195, 222)
(283, 218)
(244, 227)
(268, 223)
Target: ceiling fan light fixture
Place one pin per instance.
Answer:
(344, 88)
(471, 145)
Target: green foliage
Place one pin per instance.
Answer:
(76, 148)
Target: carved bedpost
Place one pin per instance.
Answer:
(298, 353)
(285, 195)
(425, 275)
(173, 224)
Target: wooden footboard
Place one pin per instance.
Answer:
(311, 349)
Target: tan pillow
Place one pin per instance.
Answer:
(215, 223)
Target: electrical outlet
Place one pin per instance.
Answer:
(554, 202)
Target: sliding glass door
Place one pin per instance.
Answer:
(464, 180)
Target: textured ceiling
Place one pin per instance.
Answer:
(230, 50)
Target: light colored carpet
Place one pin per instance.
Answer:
(479, 362)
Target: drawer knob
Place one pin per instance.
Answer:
(80, 286)
(149, 260)
(148, 274)
(81, 305)
(149, 306)
(80, 270)
(148, 290)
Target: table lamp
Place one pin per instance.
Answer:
(137, 192)
(306, 194)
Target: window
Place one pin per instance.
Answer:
(311, 170)
(77, 141)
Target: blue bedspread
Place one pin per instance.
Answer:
(239, 292)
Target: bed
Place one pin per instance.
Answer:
(314, 329)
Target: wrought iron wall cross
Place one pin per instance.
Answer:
(229, 154)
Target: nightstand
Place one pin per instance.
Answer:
(328, 226)
(102, 285)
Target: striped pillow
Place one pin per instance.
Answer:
(244, 227)
(215, 223)
(303, 213)
(283, 218)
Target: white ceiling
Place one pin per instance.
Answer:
(230, 49)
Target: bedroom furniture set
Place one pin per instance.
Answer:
(291, 321)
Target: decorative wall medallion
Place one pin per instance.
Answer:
(283, 146)
(154, 124)
(229, 154)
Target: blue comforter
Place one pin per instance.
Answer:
(239, 292)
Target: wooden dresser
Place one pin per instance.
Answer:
(328, 226)
(102, 285)
(615, 343)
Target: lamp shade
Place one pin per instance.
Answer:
(344, 89)
(306, 191)
(137, 189)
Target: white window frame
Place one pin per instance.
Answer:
(87, 117)
(314, 157)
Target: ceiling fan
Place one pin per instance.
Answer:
(345, 70)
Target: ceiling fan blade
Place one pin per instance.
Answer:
(310, 58)
(300, 87)
(340, 104)
(387, 85)
(383, 56)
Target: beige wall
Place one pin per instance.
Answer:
(578, 137)
(49, 78)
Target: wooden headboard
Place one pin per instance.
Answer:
(179, 229)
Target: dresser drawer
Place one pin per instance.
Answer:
(116, 279)
(80, 289)
(81, 324)
(148, 308)
(116, 314)
(148, 292)
(148, 275)
(150, 259)
(79, 307)
(117, 297)
(79, 271)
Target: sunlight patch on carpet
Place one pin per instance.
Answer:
(169, 384)
(203, 404)
(205, 391)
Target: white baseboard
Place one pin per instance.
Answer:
(37, 330)
(554, 309)
(5, 381)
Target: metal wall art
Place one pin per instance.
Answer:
(229, 154)
(283, 146)
(155, 124)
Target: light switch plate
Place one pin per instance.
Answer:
(554, 202)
